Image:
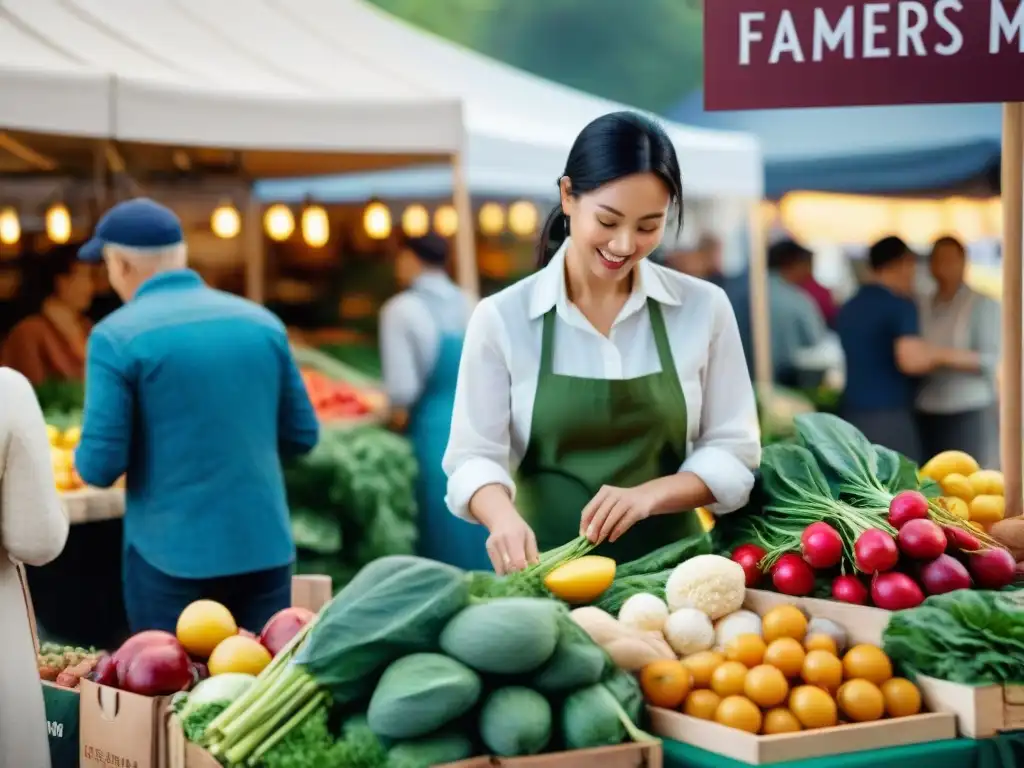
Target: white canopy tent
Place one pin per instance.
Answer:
(309, 87)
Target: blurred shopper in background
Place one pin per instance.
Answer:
(886, 353)
(421, 332)
(193, 393)
(796, 322)
(958, 408)
(50, 344)
(821, 296)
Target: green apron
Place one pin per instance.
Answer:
(586, 433)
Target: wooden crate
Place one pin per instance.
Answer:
(182, 754)
(785, 747)
(981, 712)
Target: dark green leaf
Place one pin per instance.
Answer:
(790, 475)
(840, 449)
(895, 471)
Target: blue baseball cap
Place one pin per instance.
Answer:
(138, 223)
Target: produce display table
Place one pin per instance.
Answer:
(1004, 751)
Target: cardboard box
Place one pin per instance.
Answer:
(130, 731)
(863, 625)
(62, 724)
(182, 754)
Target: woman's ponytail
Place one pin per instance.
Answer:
(552, 235)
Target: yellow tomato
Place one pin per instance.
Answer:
(957, 485)
(740, 713)
(902, 698)
(702, 704)
(987, 509)
(787, 655)
(821, 642)
(813, 707)
(822, 669)
(748, 650)
(784, 621)
(728, 679)
(779, 720)
(702, 665)
(987, 482)
(766, 686)
(861, 701)
(867, 662)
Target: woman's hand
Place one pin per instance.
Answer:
(613, 511)
(512, 545)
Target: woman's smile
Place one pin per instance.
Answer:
(610, 261)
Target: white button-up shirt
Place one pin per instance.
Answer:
(501, 362)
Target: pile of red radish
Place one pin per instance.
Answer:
(924, 558)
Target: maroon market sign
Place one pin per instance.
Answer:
(766, 54)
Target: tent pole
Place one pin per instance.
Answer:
(466, 274)
(760, 330)
(1013, 240)
(254, 254)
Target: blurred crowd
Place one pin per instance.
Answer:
(917, 368)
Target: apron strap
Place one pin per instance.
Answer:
(668, 365)
(547, 343)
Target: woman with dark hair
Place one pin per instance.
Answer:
(51, 343)
(614, 389)
(958, 408)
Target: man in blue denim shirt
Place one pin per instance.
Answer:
(193, 393)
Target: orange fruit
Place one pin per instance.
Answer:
(823, 670)
(748, 650)
(728, 679)
(766, 686)
(702, 704)
(786, 655)
(203, 625)
(867, 662)
(238, 654)
(861, 701)
(821, 643)
(780, 720)
(813, 707)
(740, 713)
(702, 665)
(784, 621)
(665, 683)
(902, 698)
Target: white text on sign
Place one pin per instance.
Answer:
(869, 34)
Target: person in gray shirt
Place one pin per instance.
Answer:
(797, 324)
(958, 409)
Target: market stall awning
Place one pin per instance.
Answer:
(47, 90)
(518, 124)
(867, 150)
(250, 80)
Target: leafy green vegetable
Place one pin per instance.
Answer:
(515, 721)
(352, 500)
(394, 606)
(219, 689)
(967, 636)
(843, 453)
(311, 745)
(666, 557)
(430, 751)
(528, 582)
(195, 721)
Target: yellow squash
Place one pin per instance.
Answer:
(582, 580)
(948, 463)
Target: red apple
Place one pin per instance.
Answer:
(158, 670)
(282, 627)
(136, 643)
(105, 671)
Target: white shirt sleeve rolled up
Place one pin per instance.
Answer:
(497, 383)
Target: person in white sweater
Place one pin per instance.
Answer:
(33, 530)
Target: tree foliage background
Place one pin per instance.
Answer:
(645, 53)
